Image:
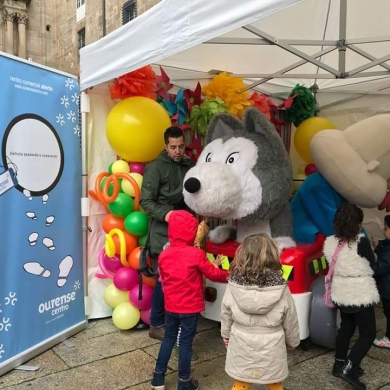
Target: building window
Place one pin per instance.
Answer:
(129, 11)
(81, 38)
(80, 10)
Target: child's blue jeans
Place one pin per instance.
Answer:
(188, 324)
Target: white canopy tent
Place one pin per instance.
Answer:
(341, 49)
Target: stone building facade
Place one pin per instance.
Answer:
(50, 32)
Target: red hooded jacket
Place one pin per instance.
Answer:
(182, 266)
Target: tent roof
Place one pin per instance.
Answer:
(342, 48)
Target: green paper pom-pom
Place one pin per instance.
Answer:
(303, 106)
(201, 115)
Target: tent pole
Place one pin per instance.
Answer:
(363, 53)
(342, 37)
(84, 104)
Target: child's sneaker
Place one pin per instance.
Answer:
(158, 381)
(384, 342)
(188, 384)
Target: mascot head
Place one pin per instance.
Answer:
(356, 161)
(244, 171)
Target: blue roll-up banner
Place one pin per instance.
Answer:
(41, 264)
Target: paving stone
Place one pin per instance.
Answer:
(48, 363)
(89, 350)
(102, 327)
(208, 345)
(113, 373)
(318, 371)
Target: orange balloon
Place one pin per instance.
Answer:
(131, 243)
(111, 222)
(151, 282)
(133, 258)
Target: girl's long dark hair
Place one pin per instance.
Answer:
(347, 222)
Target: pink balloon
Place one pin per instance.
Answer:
(137, 167)
(310, 168)
(146, 301)
(125, 279)
(145, 316)
(112, 263)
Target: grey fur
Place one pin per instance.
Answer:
(281, 224)
(273, 166)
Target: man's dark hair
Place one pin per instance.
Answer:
(172, 132)
(347, 222)
(387, 221)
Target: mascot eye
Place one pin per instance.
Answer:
(208, 157)
(232, 158)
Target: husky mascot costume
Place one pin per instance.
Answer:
(243, 173)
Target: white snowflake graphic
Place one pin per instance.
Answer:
(71, 115)
(77, 130)
(60, 119)
(77, 285)
(69, 83)
(11, 299)
(65, 101)
(1, 350)
(75, 98)
(0, 309)
(5, 325)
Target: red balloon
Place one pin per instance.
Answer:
(310, 169)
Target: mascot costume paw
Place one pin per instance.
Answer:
(243, 173)
(354, 166)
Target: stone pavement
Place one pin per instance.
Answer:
(105, 358)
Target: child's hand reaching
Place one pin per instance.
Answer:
(218, 261)
(226, 342)
(374, 242)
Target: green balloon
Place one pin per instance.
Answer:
(142, 240)
(122, 206)
(110, 168)
(137, 223)
(111, 187)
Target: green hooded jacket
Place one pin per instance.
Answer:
(161, 192)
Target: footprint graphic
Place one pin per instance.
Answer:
(31, 215)
(49, 220)
(27, 194)
(65, 267)
(32, 239)
(45, 198)
(49, 244)
(35, 268)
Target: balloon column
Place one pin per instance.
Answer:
(134, 129)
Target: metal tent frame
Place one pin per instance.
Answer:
(342, 45)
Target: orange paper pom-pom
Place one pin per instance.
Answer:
(137, 83)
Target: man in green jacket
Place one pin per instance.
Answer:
(161, 193)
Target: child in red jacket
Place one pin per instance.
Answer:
(182, 267)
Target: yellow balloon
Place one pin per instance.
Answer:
(127, 187)
(301, 168)
(135, 128)
(306, 131)
(120, 166)
(298, 179)
(114, 297)
(125, 316)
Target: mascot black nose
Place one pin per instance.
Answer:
(192, 185)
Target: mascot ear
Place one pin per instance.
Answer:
(222, 125)
(256, 122)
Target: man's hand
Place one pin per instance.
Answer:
(226, 342)
(374, 242)
(167, 215)
(289, 348)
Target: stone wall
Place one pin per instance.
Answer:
(52, 29)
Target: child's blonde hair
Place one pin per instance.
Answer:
(256, 255)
